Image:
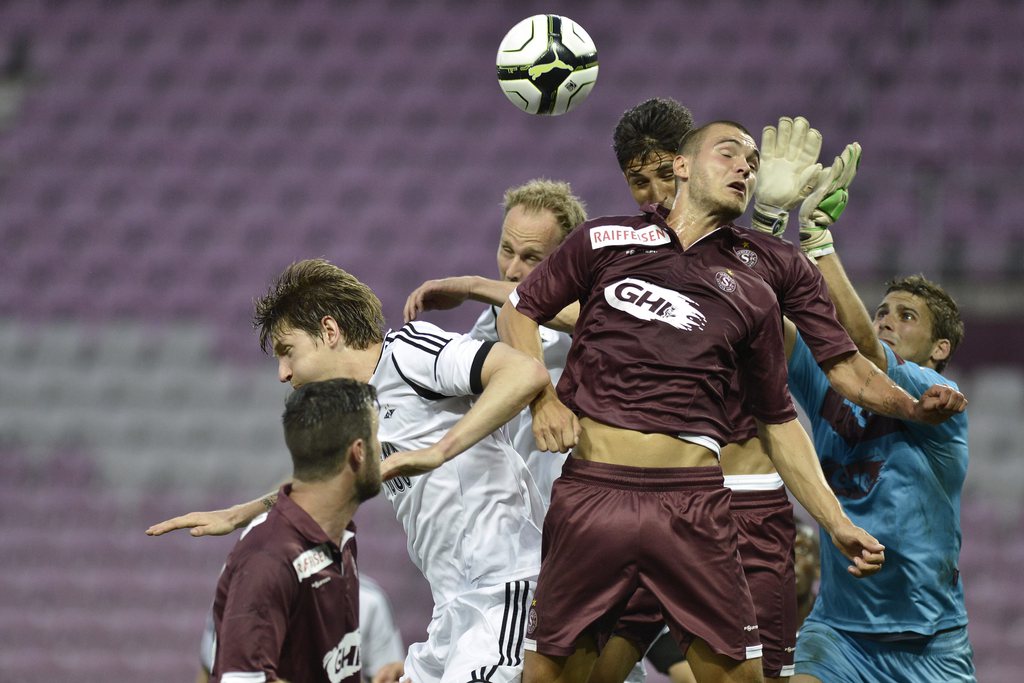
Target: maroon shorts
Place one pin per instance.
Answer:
(767, 539)
(766, 534)
(612, 530)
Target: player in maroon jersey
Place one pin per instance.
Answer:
(669, 314)
(287, 603)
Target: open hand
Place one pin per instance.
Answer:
(215, 523)
(437, 295)
(410, 463)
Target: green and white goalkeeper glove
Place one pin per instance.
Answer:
(789, 169)
(826, 203)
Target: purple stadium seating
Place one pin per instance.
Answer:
(221, 105)
(170, 158)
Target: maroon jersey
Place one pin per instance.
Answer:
(803, 297)
(662, 331)
(287, 602)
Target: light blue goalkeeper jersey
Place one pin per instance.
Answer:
(901, 482)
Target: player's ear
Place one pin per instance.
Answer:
(681, 167)
(330, 331)
(356, 455)
(940, 351)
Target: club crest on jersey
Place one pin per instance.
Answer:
(746, 256)
(726, 282)
(650, 302)
(617, 235)
(312, 561)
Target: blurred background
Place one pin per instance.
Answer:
(161, 162)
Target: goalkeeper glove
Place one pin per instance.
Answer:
(787, 174)
(826, 203)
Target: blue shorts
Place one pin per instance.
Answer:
(842, 657)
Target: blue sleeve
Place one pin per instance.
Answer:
(915, 380)
(807, 383)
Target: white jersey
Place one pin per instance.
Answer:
(476, 520)
(545, 467)
(381, 641)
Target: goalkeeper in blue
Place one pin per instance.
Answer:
(900, 479)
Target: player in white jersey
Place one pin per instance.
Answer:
(381, 649)
(473, 522)
(537, 217)
(545, 467)
(454, 516)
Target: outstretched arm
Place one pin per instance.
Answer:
(818, 214)
(450, 292)
(510, 380)
(792, 453)
(216, 522)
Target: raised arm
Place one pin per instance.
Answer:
(450, 292)
(851, 311)
(817, 214)
(792, 453)
(860, 377)
(510, 380)
(555, 427)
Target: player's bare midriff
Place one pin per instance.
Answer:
(616, 446)
(746, 457)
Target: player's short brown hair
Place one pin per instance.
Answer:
(321, 422)
(946, 322)
(693, 140)
(555, 196)
(309, 290)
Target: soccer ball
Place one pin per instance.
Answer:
(547, 64)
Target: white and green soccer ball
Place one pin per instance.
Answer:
(547, 64)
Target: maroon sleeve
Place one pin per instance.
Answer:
(804, 299)
(763, 373)
(560, 279)
(252, 629)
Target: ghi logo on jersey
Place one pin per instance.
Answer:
(650, 302)
(343, 660)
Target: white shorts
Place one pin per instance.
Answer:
(475, 638)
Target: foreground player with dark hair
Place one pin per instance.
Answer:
(669, 315)
(473, 521)
(287, 605)
(759, 504)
